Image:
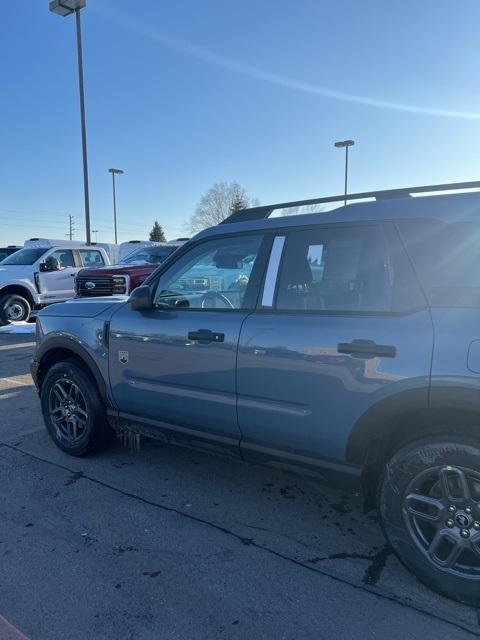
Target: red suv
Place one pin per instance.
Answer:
(123, 278)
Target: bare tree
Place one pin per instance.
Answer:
(216, 204)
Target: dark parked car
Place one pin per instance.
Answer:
(345, 344)
(7, 251)
(123, 278)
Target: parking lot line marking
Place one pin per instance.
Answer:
(20, 345)
(373, 590)
(10, 627)
(16, 383)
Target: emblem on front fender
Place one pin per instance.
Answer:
(123, 357)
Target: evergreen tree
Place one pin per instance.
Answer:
(156, 234)
(239, 202)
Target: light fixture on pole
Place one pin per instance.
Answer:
(65, 8)
(340, 145)
(115, 172)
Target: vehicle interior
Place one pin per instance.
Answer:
(218, 279)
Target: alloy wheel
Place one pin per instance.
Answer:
(68, 410)
(441, 508)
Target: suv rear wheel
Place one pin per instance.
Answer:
(73, 411)
(429, 505)
(14, 308)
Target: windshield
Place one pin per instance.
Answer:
(24, 256)
(149, 255)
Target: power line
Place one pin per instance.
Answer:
(41, 220)
(39, 217)
(31, 212)
(53, 225)
(50, 219)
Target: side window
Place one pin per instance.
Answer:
(91, 258)
(336, 269)
(61, 259)
(446, 257)
(213, 275)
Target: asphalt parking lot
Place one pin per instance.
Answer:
(172, 543)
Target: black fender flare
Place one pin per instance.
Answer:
(380, 420)
(408, 415)
(62, 344)
(424, 408)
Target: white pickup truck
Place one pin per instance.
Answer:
(41, 273)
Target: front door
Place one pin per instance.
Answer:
(342, 327)
(174, 367)
(58, 282)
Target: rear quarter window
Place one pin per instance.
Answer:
(446, 256)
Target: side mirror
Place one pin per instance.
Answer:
(43, 266)
(141, 299)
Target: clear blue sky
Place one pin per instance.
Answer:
(185, 94)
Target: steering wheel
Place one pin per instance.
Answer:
(216, 294)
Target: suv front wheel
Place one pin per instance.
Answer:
(429, 505)
(73, 411)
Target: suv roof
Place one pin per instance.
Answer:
(388, 205)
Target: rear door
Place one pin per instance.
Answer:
(342, 324)
(59, 284)
(174, 367)
(91, 258)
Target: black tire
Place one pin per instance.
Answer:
(428, 529)
(14, 303)
(93, 433)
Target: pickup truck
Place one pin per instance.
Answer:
(36, 276)
(124, 277)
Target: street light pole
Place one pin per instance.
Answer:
(84, 126)
(65, 8)
(340, 145)
(113, 172)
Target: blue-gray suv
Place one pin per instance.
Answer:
(344, 344)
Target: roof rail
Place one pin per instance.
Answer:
(258, 213)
